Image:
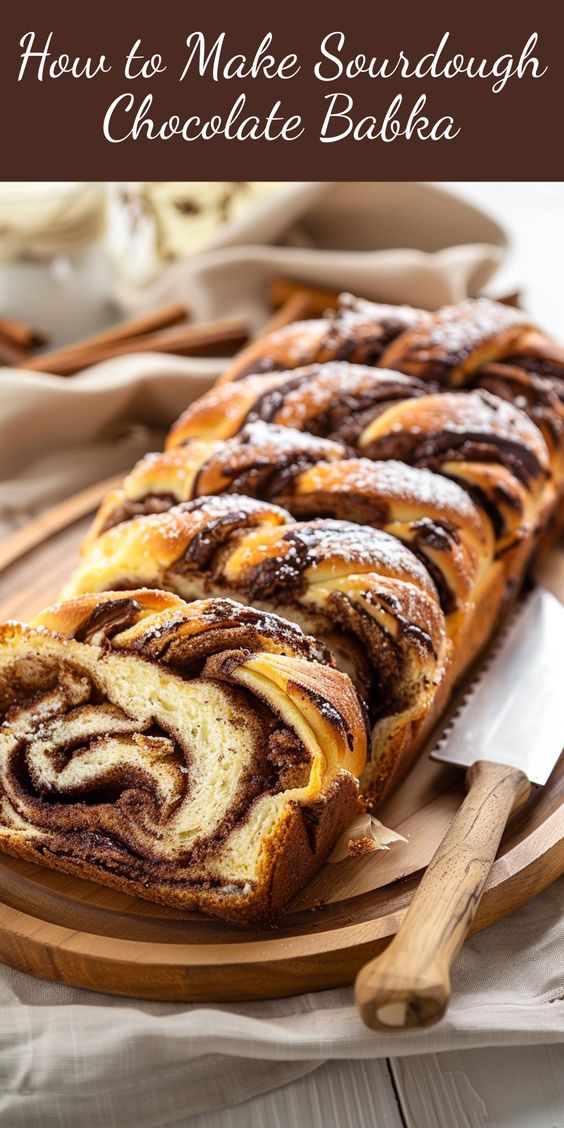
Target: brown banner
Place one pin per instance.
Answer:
(297, 91)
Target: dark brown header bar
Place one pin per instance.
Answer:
(127, 91)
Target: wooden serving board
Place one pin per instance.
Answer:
(65, 929)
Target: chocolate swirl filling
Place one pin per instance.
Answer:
(151, 738)
(333, 401)
(357, 331)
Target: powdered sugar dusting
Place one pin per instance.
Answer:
(390, 480)
(457, 330)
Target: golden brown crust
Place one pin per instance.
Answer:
(334, 401)
(433, 515)
(448, 345)
(454, 346)
(256, 463)
(116, 711)
(155, 624)
(304, 839)
(313, 477)
(358, 332)
(484, 443)
(541, 397)
(472, 441)
(478, 344)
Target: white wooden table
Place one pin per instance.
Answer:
(489, 1088)
(503, 1088)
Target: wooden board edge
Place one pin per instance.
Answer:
(53, 520)
(217, 973)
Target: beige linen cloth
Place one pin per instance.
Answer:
(393, 242)
(70, 1057)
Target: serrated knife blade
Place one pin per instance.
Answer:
(514, 711)
(508, 732)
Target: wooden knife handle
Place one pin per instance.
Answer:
(408, 985)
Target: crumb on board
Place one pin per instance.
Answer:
(357, 847)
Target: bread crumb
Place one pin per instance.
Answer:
(357, 847)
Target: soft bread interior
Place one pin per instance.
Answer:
(189, 746)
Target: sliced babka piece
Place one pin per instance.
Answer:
(202, 756)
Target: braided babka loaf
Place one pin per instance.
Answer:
(462, 480)
(203, 756)
(379, 477)
(449, 345)
(487, 445)
(358, 332)
(361, 592)
(477, 343)
(313, 477)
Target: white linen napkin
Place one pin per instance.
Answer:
(59, 435)
(392, 242)
(70, 1057)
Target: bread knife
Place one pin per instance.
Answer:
(508, 733)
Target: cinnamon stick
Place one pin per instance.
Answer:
(320, 299)
(214, 338)
(20, 335)
(281, 290)
(10, 354)
(152, 322)
(297, 307)
(514, 299)
(147, 323)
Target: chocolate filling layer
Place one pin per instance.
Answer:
(114, 816)
(431, 451)
(343, 414)
(541, 367)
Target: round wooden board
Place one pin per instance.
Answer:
(62, 928)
